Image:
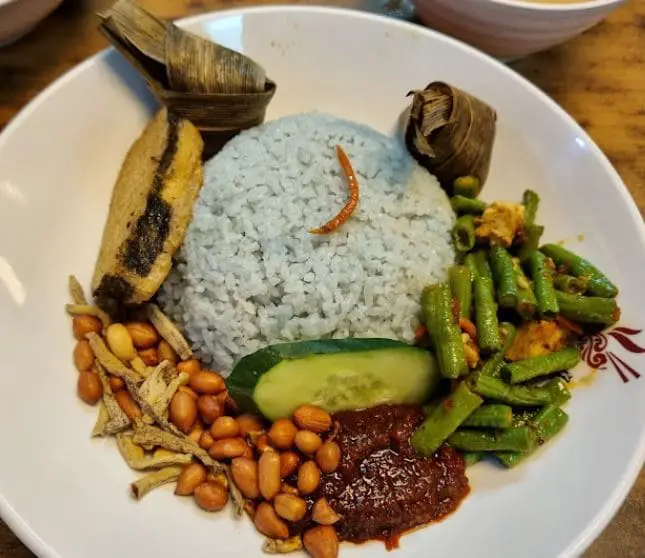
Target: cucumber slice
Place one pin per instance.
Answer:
(335, 374)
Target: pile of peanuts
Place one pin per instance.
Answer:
(278, 468)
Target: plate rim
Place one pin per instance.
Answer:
(582, 540)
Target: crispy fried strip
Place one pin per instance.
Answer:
(169, 331)
(140, 367)
(146, 436)
(102, 420)
(109, 361)
(238, 498)
(118, 420)
(76, 291)
(88, 309)
(161, 404)
(136, 457)
(277, 546)
(148, 482)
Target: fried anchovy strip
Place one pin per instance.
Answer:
(238, 498)
(76, 291)
(277, 546)
(148, 482)
(111, 363)
(117, 421)
(136, 457)
(140, 367)
(169, 331)
(147, 436)
(90, 310)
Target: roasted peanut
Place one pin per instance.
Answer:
(144, 335)
(211, 496)
(120, 343)
(322, 513)
(288, 489)
(149, 356)
(224, 427)
(228, 448)
(229, 404)
(183, 411)
(268, 523)
(328, 457)
(248, 453)
(290, 507)
(269, 474)
(190, 366)
(84, 324)
(262, 443)
(166, 352)
(206, 440)
(321, 542)
(219, 478)
(282, 433)
(89, 387)
(128, 404)
(289, 462)
(191, 477)
(308, 442)
(83, 355)
(308, 477)
(310, 417)
(248, 423)
(206, 382)
(196, 433)
(245, 475)
(209, 408)
(116, 383)
(188, 391)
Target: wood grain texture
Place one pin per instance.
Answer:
(599, 78)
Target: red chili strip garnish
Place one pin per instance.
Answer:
(352, 199)
(420, 332)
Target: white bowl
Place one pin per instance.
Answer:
(67, 496)
(18, 17)
(512, 28)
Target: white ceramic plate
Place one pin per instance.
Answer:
(67, 496)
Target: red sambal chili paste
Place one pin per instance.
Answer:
(381, 487)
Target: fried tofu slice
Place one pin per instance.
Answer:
(500, 223)
(150, 210)
(535, 339)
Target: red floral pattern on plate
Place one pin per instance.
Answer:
(596, 354)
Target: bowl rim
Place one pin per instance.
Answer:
(22, 528)
(574, 6)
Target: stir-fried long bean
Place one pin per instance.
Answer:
(501, 265)
(467, 186)
(436, 302)
(524, 370)
(599, 284)
(461, 286)
(531, 201)
(516, 396)
(542, 274)
(463, 233)
(547, 424)
(588, 309)
(526, 301)
(485, 306)
(444, 419)
(492, 415)
(520, 439)
(570, 284)
(531, 242)
(463, 205)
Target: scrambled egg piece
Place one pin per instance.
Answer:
(536, 339)
(500, 223)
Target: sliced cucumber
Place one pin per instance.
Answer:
(335, 374)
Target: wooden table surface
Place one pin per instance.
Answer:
(599, 78)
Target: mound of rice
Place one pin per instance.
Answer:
(250, 274)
